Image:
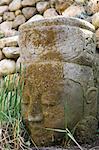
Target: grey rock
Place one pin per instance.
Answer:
(28, 12)
(7, 67)
(11, 52)
(73, 11)
(10, 41)
(3, 9)
(95, 20)
(36, 17)
(42, 6)
(5, 26)
(9, 16)
(20, 19)
(92, 7)
(29, 3)
(4, 2)
(50, 13)
(15, 5)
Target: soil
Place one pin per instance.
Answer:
(92, 146)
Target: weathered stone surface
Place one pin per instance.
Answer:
(11, 52)
(20, 19)
(36, 17)
(95, 20)
(15, 5)
(3, 9)
(42, 6)
(29, 3)
(72, 48)
(4, 2)
(92, 7)
(10, 41)
(73, 11)
(58, 75)
(85, 129)
(28, 12)
(7, 66)
(9, 16)
(49, 13)
(97, 38)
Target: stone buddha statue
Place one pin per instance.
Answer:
(59, 84)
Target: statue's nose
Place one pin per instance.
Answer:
(35, 118)
(35, 113)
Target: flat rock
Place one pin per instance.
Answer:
(5, 2)
(95, 20)
(92, 7)
(9, 16)
(11, 52)
(36, 17)
(6, 25)
(28, 12)
(29, 3)
(15, 5)
(42, 6)
(20, 19)
(49, 13)
(73, 11)
(7, 66)
(3, 9)
(10, 41)
(10, 33)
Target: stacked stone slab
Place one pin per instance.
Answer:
(60, 89)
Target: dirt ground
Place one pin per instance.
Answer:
(92, 146)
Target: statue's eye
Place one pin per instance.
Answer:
(27, 103)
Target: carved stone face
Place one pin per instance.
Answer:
(54, 92)
(59, 85)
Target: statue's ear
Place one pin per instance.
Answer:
(91, 95)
